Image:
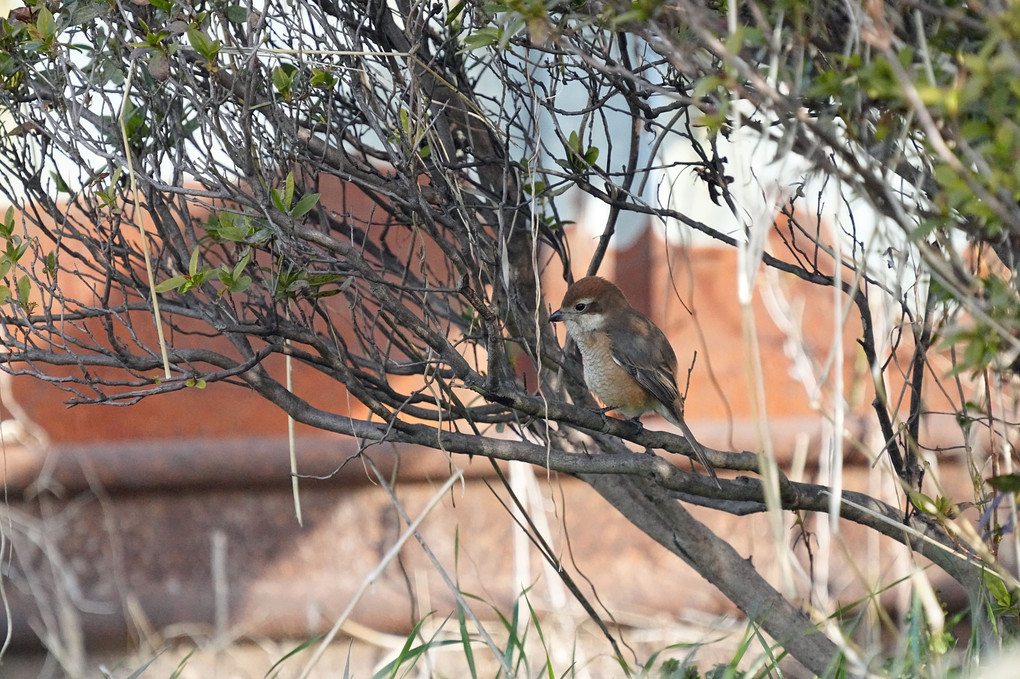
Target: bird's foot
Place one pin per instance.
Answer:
(633, 422)
(601, 412)
(636, 423)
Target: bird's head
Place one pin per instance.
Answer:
(587, 304)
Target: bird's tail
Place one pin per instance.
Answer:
(699, 451)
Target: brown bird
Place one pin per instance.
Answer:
(628, 362)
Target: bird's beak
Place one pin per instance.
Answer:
(555, 317)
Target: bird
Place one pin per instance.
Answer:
(629, 363)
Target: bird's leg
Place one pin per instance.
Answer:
(601, 412)
(634, 422)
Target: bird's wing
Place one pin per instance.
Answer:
(644, 352)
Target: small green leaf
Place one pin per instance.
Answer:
(452, 15)
(203, 45)
(242, 264)
(8, 223)
(282, 82)
(84, 12)
(319, 279)
(483, 37)
(62, 186)
(277, 200)
(24, 290)
(241, 284)
(923, 502)
(1006, 598)
(305, 205)
(15, 249)
(288, 196)
(322, 79)
(193, 264)
(1005, 483)
(707, 85)
(45, 24)
(5, 294)
(198, 41)
(236, 14)
(172, 283)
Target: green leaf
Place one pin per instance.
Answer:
(241, 265)
(7, 229)
(277, 200)
(483, 37)
(922, 502)
(282, 81)
(288, 196)
(236, 14)
(45, 24)
(405, 121)
(298, 649)
(24, 290)
(1005, 483)
(171, 284)
(193, 264)
(630, 16)
(317, 280)
(203, 45)
(85, 12)
(452, 15)
(62, 186)
(15, 249)
(197, 279)
(5, 294)
(323, 79)
(996, 587)
(305, 205)
(707, 85)
(241, 284)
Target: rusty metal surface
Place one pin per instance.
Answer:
(249, 462)
(166, 464)
(124, 532)
(142, 562)
(138, 565)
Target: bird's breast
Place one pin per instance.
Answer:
(610, 382)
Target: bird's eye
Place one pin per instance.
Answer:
(580, 306)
